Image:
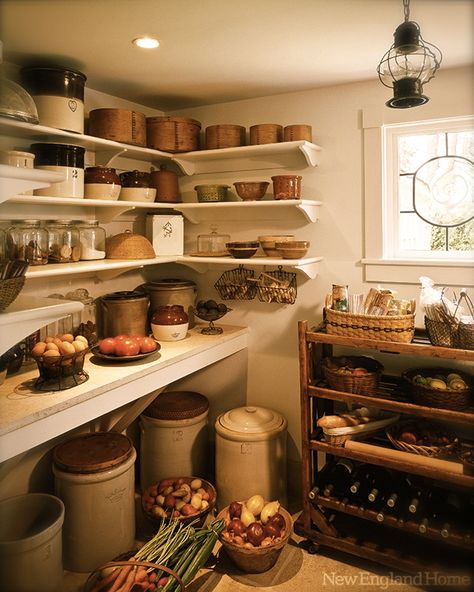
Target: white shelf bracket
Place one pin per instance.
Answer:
(105, 215)
(188, 167)
(110, 274)
(106, 157)
(310, 210)
(310, 152)
(310, 270)
(199, 267)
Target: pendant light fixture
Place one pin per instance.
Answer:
(410, 63)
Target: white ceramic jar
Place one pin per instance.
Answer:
(174, 437)
(250, 455)
(94, 477)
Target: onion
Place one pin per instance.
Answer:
(255, 534)
(272, 530)
(278, 520)
(255, 504)
(235, 509)
(269, 510)
(246, 516)
(236, 526)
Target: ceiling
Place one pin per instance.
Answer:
(214, 51)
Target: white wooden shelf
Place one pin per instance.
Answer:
(29, 313)
(103, 268)
(29, 418)
(15, 180)
(309, 266)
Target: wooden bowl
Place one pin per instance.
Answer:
(257, 559)
(251, 190)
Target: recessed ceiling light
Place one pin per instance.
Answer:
(146, 42)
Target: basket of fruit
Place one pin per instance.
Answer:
(183, 498)
(440, 387)
(353, 374)
(255, 533)
(60, 361)
(422, 437)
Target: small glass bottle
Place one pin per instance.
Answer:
(64, 245)
(92, 240)
(27, 240)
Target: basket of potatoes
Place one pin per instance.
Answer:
(60, 361)
(440, 387)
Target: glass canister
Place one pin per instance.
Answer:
(212, 244)
(61, 158)
(63, 242)
(94, 477)
(174, 437)
(101, 183)
(27, 240)
(92, 240)
(85, 322)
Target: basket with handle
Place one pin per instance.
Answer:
(235, 284)
(277, 286)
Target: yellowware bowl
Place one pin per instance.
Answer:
(292, 249)
(267, 242)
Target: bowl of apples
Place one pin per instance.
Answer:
(126, 348)
(353, 374)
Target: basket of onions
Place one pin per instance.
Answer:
(255, 533)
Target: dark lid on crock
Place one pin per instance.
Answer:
(54, 80)
(51, 154)
(177, 405)
(125, 295)
(92, 453)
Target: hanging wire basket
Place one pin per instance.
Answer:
(277, 286)
(234, 284)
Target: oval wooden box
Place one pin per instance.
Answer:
(119, 125)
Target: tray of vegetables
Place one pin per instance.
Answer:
(255, 533)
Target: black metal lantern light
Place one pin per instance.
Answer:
(410, 63)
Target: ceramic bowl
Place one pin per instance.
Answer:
(255, 559)
(146, 194)
(110, 191)
(242, 250)
(169, 332)
(251, 190)
(292, 249)
(267, 242)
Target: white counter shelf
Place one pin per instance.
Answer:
(30, 418)
(29, 313)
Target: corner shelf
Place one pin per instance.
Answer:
(14, 180)
(27, 314)
(309, 266)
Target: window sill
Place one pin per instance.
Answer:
(404, 271)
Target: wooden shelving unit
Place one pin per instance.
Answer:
(394, 542)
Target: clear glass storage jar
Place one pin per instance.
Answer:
(213, 244)
(63, 242)
(92, 240)
(27, 240)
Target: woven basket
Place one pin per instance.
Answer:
(394, 432)
(173, 134)
(9, 290)
(399, 328)
(224, 135)
(459, 335)
(120, 125)
(233, 284)
(298, 132)
(128, 246)
(440, 398)
(266, 133)
(284, 294)
(365, 384)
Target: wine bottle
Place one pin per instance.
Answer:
(382, 484)
(340, 478)
(361, 484)
(320, 479)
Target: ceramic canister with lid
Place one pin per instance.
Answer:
(101, 183)
(174, 437)
(58, 94)
(124, 313)
(166, 184)
(169, 323)
(172, 291)
(94, 477)
(61, 158)
(250, 454)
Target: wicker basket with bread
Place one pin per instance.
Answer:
(362, 422)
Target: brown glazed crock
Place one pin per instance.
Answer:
(170, 314)
(135, 179)
(98, 174)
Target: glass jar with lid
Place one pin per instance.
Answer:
(84, 323)
(27, 240)
(63, 241)
(213, 244)
(92, 240)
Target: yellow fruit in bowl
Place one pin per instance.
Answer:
(457, 384)
(436, 383)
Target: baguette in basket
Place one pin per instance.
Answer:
(337, 429)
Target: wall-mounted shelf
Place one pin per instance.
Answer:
(103, 269)
(309, 266)
(15, 180)
(261, 156)
(28, 313)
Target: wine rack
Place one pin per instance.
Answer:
(394, 541)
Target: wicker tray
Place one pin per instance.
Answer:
(393, 434)
(365, 384)
(234, 285)
(399, 328)
(440, 398)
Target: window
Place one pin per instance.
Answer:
(428, 202)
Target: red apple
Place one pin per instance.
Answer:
(107, 346)
(127, 347)
(359, 371)
(148, 344)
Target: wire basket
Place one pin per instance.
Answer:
(9, 290)
(234, 284)
(61, 372)
(277, 286)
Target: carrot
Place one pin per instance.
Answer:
(124, 572)
(104, 582)
(129, 581)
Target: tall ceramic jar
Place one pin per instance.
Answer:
(169, 323)
(251, 442)
(166, 184)
(174, 437)
(61, 158)
(94, 477)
